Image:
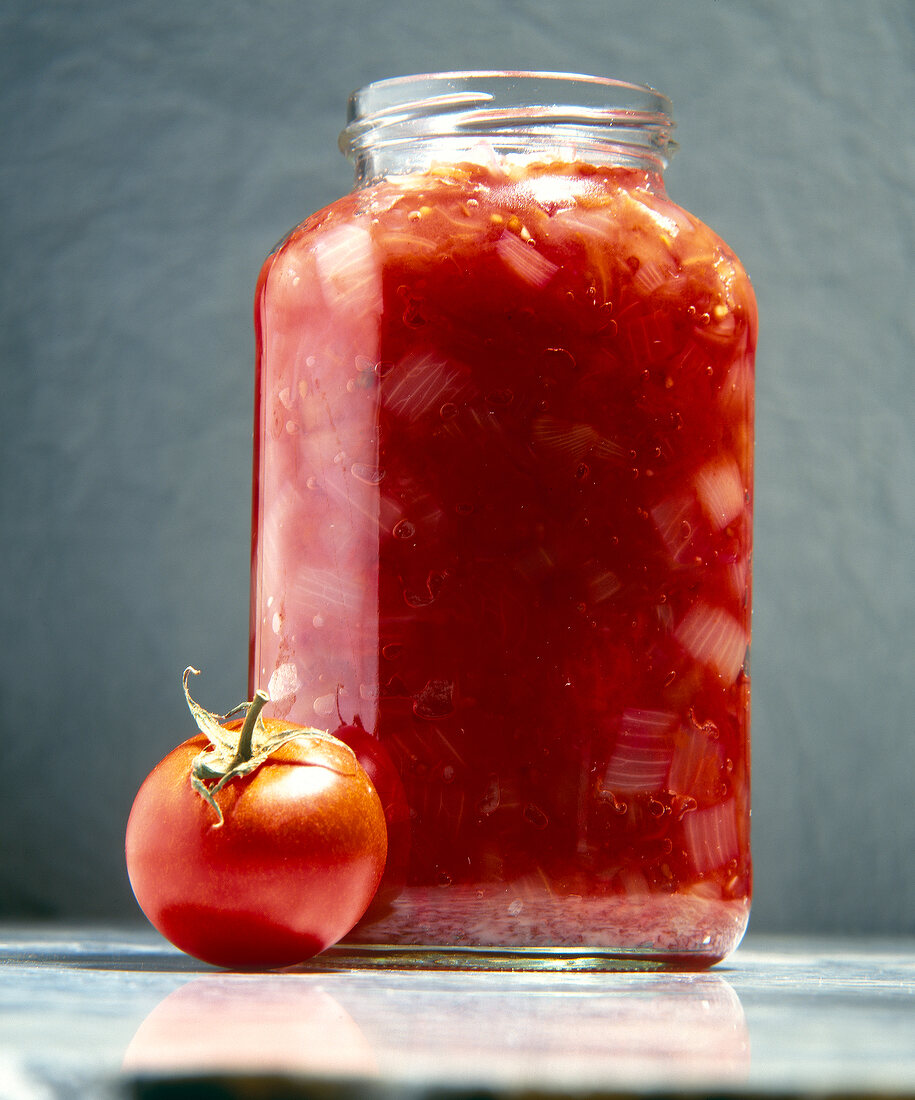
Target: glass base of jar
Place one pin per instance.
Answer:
(469, 928)
(527, 959)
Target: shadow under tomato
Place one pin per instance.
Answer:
(223, 939)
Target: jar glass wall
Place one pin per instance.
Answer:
(502, 530)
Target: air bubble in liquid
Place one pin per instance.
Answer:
(559, 358)
(371, 475)
(404, 529)
(435, 700)
(500, 398)
(412, 314)
(616, 804)
(533, 815)
(417, 599)
(395, 688)
(492, 796)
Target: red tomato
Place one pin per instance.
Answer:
(379, 766)
(289, 870)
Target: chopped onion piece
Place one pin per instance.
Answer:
(283, 682)
(642, 754)
(525, 260)
(649, 338)
(670, 218)
(711, 836)
(634, 883)
(714, 637)
(602, 584)
(650, 276)
(737, 389)
(286, 289)
(349, 273)
(563, 437)
(606, 449)
(676, 519)
(583, 225)
(422, 385)
(361, 505)
(280, 502)
(738, 573)
(323, 590)
(697, 761)
(721, 492)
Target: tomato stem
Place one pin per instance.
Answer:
(246, 734)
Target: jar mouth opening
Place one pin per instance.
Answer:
(510, 109)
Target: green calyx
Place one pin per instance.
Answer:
(235, 753)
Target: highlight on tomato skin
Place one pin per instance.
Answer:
(279, 864)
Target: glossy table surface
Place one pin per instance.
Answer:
(108, 1013)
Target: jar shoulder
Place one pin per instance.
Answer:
(615, 229)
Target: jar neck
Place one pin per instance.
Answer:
(406, 124)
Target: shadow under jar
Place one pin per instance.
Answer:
(502, 514)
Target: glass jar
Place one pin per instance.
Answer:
(502, 523)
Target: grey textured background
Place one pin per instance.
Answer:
(150, 155)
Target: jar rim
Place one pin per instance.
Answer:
(508, 106)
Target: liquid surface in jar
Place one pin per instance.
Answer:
(503, 508)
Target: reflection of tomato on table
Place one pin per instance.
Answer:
(241, 1022)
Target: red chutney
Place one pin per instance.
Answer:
(503, 514)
